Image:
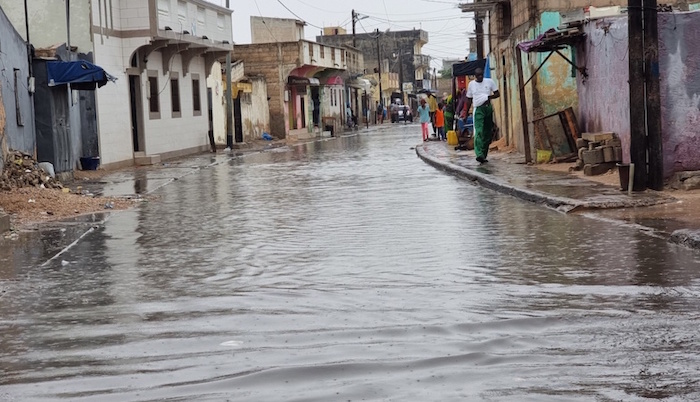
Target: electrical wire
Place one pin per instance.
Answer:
(294, 14)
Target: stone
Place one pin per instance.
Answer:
(691, 183)
(581, 143)
(579, 164)
(593, 157)
(580, 153)
(598, 137)
(597, 169)
(609, 154)
(686, 237)
(4, 222)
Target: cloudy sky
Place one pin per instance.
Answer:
(448, 28)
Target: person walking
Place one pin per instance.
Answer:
(380, 113)
(432, 104)
(480, 92)
(440, 122)
(424, 115)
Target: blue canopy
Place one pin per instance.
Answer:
(80, 74)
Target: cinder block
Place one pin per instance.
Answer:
(581, 143)
(593, 157)
(596, 169)
(615, 142)
(598, 137)
(580, 153)
(608, 154)
(4, 222)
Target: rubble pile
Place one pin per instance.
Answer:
(21, 170)
(598, 153)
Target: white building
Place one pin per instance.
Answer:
(161, 51)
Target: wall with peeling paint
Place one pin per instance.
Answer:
(552, 89)
(256, 114)
(604, 96)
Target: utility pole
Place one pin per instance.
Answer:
(638, 140)
(68, 25)
(479, 31)
(379, 70)
(653, 97)
(354, 20)
(229, 99)
(29, 42)
(403, 101)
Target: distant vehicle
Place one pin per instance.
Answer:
(401, 113)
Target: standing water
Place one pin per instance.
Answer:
(349, 270)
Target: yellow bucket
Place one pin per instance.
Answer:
(452, 138)
(543, 156)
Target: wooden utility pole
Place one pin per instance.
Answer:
(479, 32)
(523, 106)
(638, 139)
(229, 100)
(379, 70)
(653, 96)
(354, 21)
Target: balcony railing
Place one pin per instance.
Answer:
(421, 60)
(198, 18)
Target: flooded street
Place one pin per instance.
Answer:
(350, 270)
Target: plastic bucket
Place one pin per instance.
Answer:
(90, 162)
(543, 156)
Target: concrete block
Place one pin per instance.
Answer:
(686, 237)
(609, 154)
(580, 153)
(593, 157)
(615, 142)
(598, 137)
(597, 169)
(691, 183)
(4, 222)
(581, 143)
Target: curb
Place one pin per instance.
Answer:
(687, 238)
(561, 204)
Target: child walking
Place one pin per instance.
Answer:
(424, 115)
(440, 122)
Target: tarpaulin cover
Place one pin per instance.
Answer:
(82, 75)
(467, 68)
(527, 45)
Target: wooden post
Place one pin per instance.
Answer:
(523, 106)
(653, 97)
(638, 140)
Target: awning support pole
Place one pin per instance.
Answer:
(523, 108)
(581, 70)
(538, 68)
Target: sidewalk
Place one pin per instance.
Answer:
(671, 215)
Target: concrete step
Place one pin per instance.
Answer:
(146, 160)
(4, 222)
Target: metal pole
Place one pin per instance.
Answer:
(29, 42)
(229, 104)
(403, 101)
(653, 96)
(638, 140)
(68, 25)
(379, 70)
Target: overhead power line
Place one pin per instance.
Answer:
(295, 14)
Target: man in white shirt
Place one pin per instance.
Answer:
(479, 93)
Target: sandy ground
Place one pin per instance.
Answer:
(30, 206)
(610, 178)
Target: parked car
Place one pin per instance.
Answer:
(401, 113)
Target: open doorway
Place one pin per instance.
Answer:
(136, 103)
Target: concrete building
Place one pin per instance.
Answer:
(16, 111)
(161, 52)
(399, 51)
(555, 87)
(306, 81)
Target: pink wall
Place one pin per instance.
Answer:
(604, 96)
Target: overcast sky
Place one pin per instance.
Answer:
(446, 25)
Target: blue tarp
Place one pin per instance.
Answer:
(80, 74)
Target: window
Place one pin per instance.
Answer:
(153, 101)
(311, 51)
(164, 8)
(201, 16)
(181, 11)
(196, 96)
(220, 21)
(323, 52)
(342, 57)
(333, 56)
(175, 95)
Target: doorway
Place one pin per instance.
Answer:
(137, 136)
(316, 99)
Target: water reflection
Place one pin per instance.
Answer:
(349, 270)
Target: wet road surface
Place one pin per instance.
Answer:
(349, 270)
